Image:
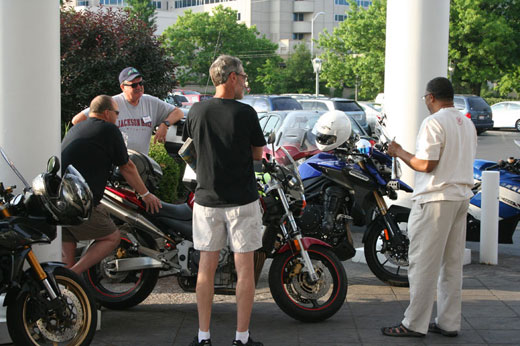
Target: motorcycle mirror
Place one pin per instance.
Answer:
(271, 138)
(53, 165)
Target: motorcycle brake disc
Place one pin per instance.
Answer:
(55, 328)
(313, 290)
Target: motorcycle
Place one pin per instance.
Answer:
(509, 198)
(46, 303)
(347, 186)
(307, 281)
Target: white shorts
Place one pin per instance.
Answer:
(213, 226)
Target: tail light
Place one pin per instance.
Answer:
(468, 115)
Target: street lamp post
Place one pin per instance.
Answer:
(316, 64)
(312, 31)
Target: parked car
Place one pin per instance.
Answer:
(373, 112)
(191, 95)
(506, 114)
(177, 100)
(348, 106)
(475, 108)
(294, 131)
(268, 103)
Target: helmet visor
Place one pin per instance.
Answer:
(325, 139)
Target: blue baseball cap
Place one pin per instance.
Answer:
(128, 74)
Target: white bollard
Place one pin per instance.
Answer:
(489, 218)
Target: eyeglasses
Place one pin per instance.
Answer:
(113, 110)
(134, 85)
(240, 74)
(424, 97)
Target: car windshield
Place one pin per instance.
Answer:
(285, 104)
(347, 106)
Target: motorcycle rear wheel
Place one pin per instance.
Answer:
(118, 291)
(388, 265)
(27, 327)
(302, 299)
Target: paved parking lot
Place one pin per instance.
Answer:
(491, 312)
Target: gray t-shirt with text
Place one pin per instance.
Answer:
(137, 122)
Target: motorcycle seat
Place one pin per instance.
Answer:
(175, 211)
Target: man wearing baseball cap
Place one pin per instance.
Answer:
(139, 113)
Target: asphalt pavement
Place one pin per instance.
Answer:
(491, 312)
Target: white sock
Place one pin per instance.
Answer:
(203, 335)
(242, 336)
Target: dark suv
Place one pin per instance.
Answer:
(268, 103)
(476, 109)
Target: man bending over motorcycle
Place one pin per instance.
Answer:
(93, 147)
(227, 138)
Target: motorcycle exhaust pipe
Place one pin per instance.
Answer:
(133, 218)
(130, 264)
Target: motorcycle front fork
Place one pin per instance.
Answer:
(40, 274)
(392, 232)
(296, 237)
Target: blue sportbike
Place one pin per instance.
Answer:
(346, 186)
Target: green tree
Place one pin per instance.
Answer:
(143, 10)
(294, 76)
(96, 46)
(196, 39)
(355, 51)
(483, 43)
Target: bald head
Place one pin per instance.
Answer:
(101, 104)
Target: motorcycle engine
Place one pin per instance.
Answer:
(310, 221)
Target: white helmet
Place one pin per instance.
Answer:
(332, 129)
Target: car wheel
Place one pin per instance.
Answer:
(517, 125)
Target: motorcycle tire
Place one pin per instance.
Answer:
(119, 291)
(389, 268)
(27, 328)
(297, 296)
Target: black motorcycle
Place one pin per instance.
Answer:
(306, 279)
(47, 304)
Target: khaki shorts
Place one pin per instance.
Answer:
(98, 226)
(213, 226)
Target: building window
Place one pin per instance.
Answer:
(238, 15)
(191, 3)
(113, 2)
(298, 17)
(82, 3)
(156, 4)
(360, 3)
(297, 36)
(340, 17)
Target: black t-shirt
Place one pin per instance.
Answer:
(92, 147)
(223, 131)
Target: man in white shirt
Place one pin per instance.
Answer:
(139, 113)
(445, 151)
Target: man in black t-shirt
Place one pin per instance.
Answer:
(92, 147)
(227, 138)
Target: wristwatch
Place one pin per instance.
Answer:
(167, 123)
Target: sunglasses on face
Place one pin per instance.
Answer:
(134, 85)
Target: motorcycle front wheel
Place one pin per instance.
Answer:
(31, 322)
(121, 290)
(388, 261)
(297, 295)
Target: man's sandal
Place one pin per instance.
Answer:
(401, 330)
(434, 328)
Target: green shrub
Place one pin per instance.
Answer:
(169, 187)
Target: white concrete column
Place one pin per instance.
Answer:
(489, 217)
(416, 52)
(30, 92)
